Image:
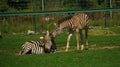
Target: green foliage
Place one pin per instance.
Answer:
(13, 5)
(20, 23)
(3, 5)
(115, 29)
(97, 23)
(4, 26)
(18, 5)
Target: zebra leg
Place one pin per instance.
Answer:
(81, 37)
(86, 37)
(21, 51)
(25, 51)
(77, 39)
(68, 41)
(41, 50)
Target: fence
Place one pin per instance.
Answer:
(39, 15)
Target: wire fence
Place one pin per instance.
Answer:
(39, 15)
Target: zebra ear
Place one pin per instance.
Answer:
(41, 38)
(55, 24)
(47, 32)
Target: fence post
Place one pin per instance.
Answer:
(105, 14)
(43, 5)
(110, 7)
(43, 8)
(35, 17)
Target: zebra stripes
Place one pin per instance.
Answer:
(46, 45)
(72, 22)
(75, 23)
(33, 47)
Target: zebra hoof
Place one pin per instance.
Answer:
(82, 47)
(66, 50)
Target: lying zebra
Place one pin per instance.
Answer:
(46, 45)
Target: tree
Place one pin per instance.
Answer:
(18, 4)
(3, 6)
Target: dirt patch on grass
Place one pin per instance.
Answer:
(1, 51)
(101, 32)
(104, 47)
(62, 49)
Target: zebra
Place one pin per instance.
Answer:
(46, 45)
(76, 23)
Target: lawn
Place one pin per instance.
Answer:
(11, 44)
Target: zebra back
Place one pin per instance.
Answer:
(79, 20)
(32, 47)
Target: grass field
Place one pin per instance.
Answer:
(104, 51)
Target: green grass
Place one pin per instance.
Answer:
(10, 46)
(86, 58)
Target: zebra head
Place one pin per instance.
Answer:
(49, 42)
(47, 39)
(57, 30)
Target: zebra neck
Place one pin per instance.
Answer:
(64, 27)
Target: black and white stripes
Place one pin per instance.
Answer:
(46, 45)
(32, 47)
(75, 23)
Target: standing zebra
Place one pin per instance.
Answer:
(46, 45)
(75, 23)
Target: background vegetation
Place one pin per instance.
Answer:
(23, 5)
(21, 23)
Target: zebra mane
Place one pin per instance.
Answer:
(64, 19)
